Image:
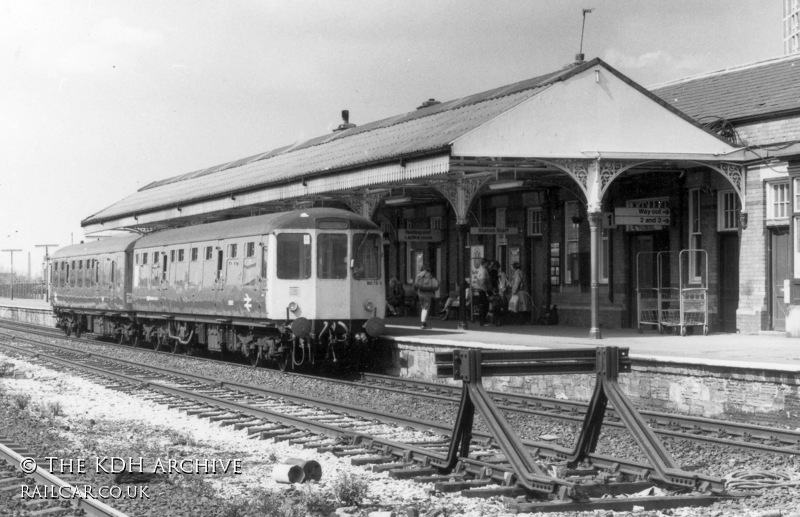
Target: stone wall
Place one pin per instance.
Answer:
(27, 315)
(765, 397)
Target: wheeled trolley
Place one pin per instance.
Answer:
(691, 309)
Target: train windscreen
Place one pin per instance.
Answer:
(294, 256)
(366, 256)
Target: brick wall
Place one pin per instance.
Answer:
(752, 315)
(770, 132)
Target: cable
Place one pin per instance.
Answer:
(760, 479)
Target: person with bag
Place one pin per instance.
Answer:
(426, 285)
(518, 303)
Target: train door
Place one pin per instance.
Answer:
(779, 271)
(728, 280)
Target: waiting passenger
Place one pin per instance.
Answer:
(396, 297)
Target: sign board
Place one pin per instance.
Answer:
(491, 230)
(642, 216)
(419, 235)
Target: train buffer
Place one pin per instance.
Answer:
(554, 488)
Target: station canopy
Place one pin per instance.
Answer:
(586, 112)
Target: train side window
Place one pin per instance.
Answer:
(250, 249)
(67, 278)
(209, 253)
(96, 272)
(113, 270)
(180, 255)
(172, 255)
(294, 256)
(366, 256)
(264, 261)
(194, 254)
(144, 258)
(232, 250)
(155, 258)
(136, 261)
(164, 267)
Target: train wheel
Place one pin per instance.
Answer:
(283, 362)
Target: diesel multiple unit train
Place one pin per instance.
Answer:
(294, 287)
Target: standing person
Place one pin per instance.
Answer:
(519, 297)
(467, 298)
(484, 286)
(495, 296)
(425, 284)
(396, 296)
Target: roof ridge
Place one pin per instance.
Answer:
(723, 71)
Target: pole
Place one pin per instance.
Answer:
(12, 270)
(47, 271)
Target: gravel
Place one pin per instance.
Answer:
(129, 420)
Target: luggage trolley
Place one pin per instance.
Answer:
(648, 296)
(692, 291)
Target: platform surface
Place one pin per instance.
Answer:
(768, 350)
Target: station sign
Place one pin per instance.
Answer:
(642, 216)
(419, 235)
(492, 230)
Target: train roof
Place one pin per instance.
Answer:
(251, 226)
(110, 245)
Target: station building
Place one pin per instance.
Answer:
(669, 208)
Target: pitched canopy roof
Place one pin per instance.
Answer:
(608, 113)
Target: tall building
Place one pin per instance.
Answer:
(791, 26)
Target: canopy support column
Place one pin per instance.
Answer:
(595, 222)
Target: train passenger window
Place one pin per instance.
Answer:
(366, 256)
(294, 256)
(180, 255)
(209, 253)
(332, 255)
(144, 258)
(232, 250)
(68, 272)
(155, 258)
(194, 254)
(136, 259)
(250, 249)
(172, 255)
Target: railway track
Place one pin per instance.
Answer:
(407, 448)
(746, 436)
(40, 492)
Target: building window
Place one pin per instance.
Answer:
(727, 211)
(695, 236)
(436, 223)
(778, 201)
(572, 233)
(535, 221)
(194, 254)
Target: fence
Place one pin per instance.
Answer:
(26, 290)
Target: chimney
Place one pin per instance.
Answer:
(345, 122)
(428, 103)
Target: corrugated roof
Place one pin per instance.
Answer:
(417, 132)
(754, 90)
(250, 226)
(110, 245)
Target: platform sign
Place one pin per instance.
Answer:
(419, 235)
(492, 230)
(642, 216)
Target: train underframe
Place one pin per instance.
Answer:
(283, 344)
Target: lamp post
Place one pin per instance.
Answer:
(47, 270)
(12, 271)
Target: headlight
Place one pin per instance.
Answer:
(369, 306)
(293, 306)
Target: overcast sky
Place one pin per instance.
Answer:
(100, 98)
